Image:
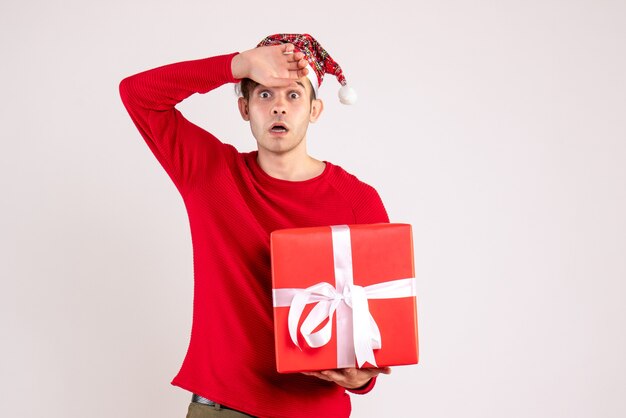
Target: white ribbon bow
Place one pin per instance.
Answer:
(348, 300)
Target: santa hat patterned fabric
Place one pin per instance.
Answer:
(319, 61)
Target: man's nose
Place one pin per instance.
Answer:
(279, 107)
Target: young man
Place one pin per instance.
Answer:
(234, 201)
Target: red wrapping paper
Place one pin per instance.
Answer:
(303, 257)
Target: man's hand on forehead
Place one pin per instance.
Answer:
(271, 66)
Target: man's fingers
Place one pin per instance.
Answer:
(281, 82)
(284, 82)
(296, 65)
(293, 56)
(295, 74)
(351, 372)
(373, 372)
(301, 72)
(350, 377)
(383, 370)
(296, 58)
(333, 375)
(288, 48)
(321, 375)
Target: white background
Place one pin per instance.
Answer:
(496, 128)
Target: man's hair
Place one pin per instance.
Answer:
(246, 86)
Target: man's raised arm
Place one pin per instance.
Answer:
(150, 97)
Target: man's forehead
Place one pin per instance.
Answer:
(295, 83)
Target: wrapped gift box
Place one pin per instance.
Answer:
(344, 296)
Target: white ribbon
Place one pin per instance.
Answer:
(348, 301)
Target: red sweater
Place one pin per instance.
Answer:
(233, 206)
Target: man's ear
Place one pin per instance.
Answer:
(317, 107)
(243, 108)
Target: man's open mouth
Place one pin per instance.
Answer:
(278, 128)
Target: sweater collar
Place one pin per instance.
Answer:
(263, 177)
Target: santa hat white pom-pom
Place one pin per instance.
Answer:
(347, 95)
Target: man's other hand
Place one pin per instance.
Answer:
(350, 378)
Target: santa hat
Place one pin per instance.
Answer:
(320, 62)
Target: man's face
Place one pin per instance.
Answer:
(279, 116)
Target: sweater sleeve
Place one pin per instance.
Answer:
(369, 208)
(364, 389)
(150, 97)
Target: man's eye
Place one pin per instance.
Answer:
(264, 94)
(294, 95)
